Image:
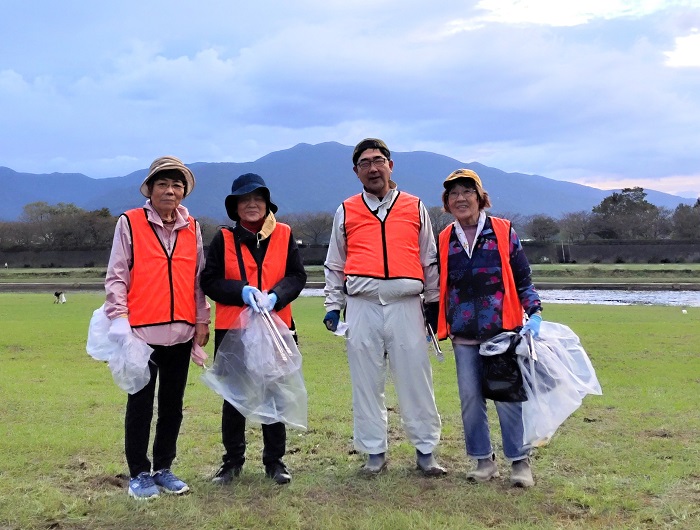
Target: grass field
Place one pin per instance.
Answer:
(627, 459)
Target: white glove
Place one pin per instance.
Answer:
(119, 330)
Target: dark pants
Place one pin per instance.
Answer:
(170, 364)
(233, 430)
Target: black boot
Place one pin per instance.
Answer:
(278, 472)
(226, 474)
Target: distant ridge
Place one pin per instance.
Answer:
(309, 178)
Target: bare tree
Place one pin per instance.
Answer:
(439, 218)
(576, 226)
(310, 228)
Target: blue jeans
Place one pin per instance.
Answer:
(474, 417)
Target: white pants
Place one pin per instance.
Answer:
(397, 328)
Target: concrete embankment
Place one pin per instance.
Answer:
(50, 287)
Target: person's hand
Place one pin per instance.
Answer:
(332, 319)
(431, 311)
(251, 296)
(201, 334)
(119, 330)
(271, 301)
(198, 355)
(532, 325)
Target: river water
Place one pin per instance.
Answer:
(601, 297)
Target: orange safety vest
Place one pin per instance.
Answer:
(383, 249)
(273, 270)
(162, 286)
(512, 308)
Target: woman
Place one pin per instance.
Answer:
(152, 287)
(482, 295)
(258, 254)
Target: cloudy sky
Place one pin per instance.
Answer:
(601, 92)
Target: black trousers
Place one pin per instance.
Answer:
(169, 364)
(233, 430)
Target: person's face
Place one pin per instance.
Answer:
(463, 202)
(374, 171)
(251, 207)
(166, 195)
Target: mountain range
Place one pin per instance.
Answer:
(309, 178)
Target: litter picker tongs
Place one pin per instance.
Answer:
(434, 341)
(277, 338)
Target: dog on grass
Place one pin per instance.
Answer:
(59, 297)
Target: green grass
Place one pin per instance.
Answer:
(627, 459)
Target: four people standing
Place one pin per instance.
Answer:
(381, 269)
(257, 255)
(152, 288)
(381, 259)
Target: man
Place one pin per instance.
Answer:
(152, 287)
(381, 257)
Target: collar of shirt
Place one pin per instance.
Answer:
(381, 205)
(181, 214)
(463, 237)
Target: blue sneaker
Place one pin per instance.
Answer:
(142, 487)
(167, 482)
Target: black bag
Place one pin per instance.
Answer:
(501, 379)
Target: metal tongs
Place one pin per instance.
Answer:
(434, 341)
(531, 346)
(277, 338)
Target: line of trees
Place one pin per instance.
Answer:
(624, 215)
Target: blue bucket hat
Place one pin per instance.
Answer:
(243, 185)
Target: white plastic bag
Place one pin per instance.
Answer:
(128, 362)
(98, 345)
(556, 379)
(263, 384)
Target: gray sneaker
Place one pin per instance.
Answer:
(486, 469)
(427, 465)
(375, 464)
(521, 474)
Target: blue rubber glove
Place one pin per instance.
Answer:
(250, 297)
(271, 301)
(332, 319)
(532, 325)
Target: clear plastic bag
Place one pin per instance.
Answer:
(129, 365)
(128, 362)
(556, 379)
(264, 384)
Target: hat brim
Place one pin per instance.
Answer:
(189, 178)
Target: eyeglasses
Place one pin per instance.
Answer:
(176, 186)
(378, 162)
(457, 194)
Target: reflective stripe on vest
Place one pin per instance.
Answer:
(512, 309)
(383, 249)
(273, 270)
(162, 286)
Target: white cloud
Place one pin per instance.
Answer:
(686, 52)
(565, 13)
